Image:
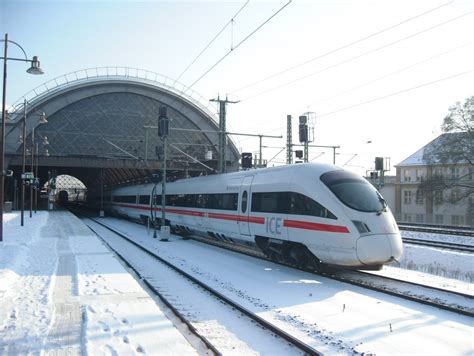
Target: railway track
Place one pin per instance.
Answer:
(459, 303)
(437, 230)
(206, 292)
(452, 301)
(440, 244)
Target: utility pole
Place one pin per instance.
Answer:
(222, 131)
(289, 141)
(163, 131)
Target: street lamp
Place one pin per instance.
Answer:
(42, 120)
(34, 69)
(22, 140)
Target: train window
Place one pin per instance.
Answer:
(229, 201)
(354, 191)
(303, 205)
(144, 199)
(271, 202)
(244, 201)
(190, 200)
(157, 199)
(226, 201)
(201, 201)
(125, 199)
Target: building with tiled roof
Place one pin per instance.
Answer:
(435, 185)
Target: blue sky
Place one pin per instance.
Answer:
(165, 36)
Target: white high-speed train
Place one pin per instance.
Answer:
(304, 214)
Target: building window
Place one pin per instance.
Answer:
(455, 196)
(454, 173)
(438, 197)
(419, 197)
(457, 220)
(406, 175)
(438, 219)
(419, 175)
(407, 197)
(438, 172)
(471, 202)
(470, 175)
(407, 217)
(419, 218)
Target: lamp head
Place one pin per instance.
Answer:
(35, 67)
(43, 118)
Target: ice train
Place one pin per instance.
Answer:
(303, 214)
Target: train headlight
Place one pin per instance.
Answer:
(361, 227)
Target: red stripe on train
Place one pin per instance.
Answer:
(230, 217)
(314, 226)
(249, 219)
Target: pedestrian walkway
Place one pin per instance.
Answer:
(63, 292)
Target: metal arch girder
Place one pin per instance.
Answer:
(75, 128)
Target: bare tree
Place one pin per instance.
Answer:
(455, 146)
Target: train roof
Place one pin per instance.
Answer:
(316, 169)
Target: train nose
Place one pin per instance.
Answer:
(379, 249)
(396, 246)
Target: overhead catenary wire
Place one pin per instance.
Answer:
(341, 47)
(397, 71)
(358, 56)
(397, 93)
(240, 43)
(384, 96)
(213, 39)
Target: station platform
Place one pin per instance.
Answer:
(63, 292)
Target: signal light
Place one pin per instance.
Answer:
(246, 160)
(163, 122)
(379, 164)
(303, 129)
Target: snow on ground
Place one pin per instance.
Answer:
(57, 291)
(324, 310)
(435, 261)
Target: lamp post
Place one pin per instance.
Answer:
(163, 130)
(34, 147)
(34, 69)
(23, 166)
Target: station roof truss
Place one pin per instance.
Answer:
(105, 119)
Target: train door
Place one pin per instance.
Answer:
(244, 206)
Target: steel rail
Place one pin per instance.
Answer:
(277, 331)
(437, 230)
(439, 244)
(465, 295)
(157, 293)
(331, 273)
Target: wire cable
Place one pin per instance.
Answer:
(358, 56)
(241, 42)
(381, 97)
(397, 93)
(341, 47)
(400, 70)
(390, 74)
(215, 37)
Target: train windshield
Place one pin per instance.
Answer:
(354, 191)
